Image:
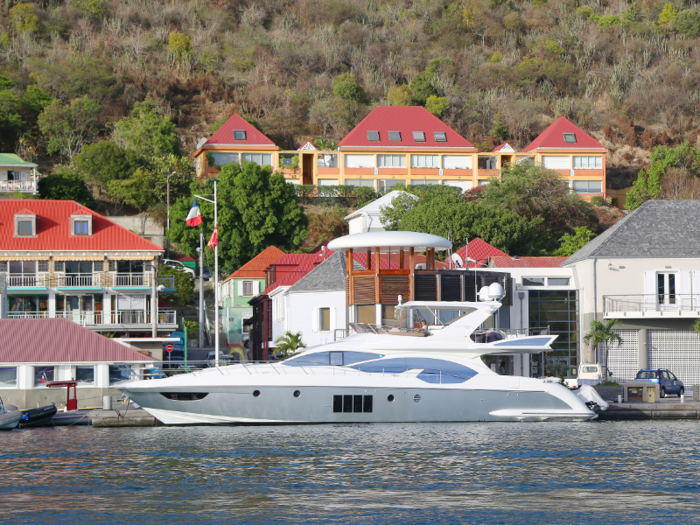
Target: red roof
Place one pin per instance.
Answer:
(386, 262)
(185, 258)
(224, 135)
(526, 262)
(479, 249)
(255, 268)
(553, 137)
(53, 229)
(289, 278)
(295, 259)
(58, 341)
(406, 120)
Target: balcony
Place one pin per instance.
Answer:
(21, 186)
(131, 280)
(651, 306)
(79, 281)
(26, 281)
(167, 319)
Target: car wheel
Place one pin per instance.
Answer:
(663, 392)
(680, 391)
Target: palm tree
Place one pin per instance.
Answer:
(289, 343)
(603, 333)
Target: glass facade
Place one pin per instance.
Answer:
(557, 310)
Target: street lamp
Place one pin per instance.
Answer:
(169, 174)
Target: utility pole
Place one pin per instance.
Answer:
(167, 250)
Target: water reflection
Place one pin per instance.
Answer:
(508, 473)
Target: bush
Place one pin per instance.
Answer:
(365, 195)
(327, 191)
(305, 190)
(597, 201)
(687, 23)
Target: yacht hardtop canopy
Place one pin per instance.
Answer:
(390, 240)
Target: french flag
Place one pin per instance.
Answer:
(194, 217)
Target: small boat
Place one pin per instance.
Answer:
(38, 417)
(9, 416)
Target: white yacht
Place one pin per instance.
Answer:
(378, 375)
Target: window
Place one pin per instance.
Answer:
(80, 228)
(119, 374)
(558, 310)
(185, 396)
(22, 273)
(8, 377)
(440, 136)
(261, 159)
(28, 305)
(588, 186)
(391, 161)
(327, 161)
(43, 266)
(247, 288)
(239, 134)
(359, 161)
(666, 288)
(366, 313)
(59, 266)
(570, 138)
(395, 136)
(533, 281)
(425, 161)
(423, 182)
(558, 281)
(85, 374)
(433, 370)
(112, 266)
(79, 267)
(356, 404)
(223, 158)
(457, 162)
(418, 136)
(366, 183)
(373, 136)
(129, 266)
(43, 374)
(556, 162)
(588, 163)
(324, 321)
(388, 185)
(487, 163)
(24, 227)
(3, 266)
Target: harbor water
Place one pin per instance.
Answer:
(598, 472)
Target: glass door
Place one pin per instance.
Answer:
(666, 290)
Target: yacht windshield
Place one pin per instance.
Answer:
(330, 358)
(433, 370)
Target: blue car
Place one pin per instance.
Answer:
(668, 382)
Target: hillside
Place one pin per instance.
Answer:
(628, 72)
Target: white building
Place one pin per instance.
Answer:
(368, 218)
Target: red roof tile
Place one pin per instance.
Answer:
(526, 262)
(479, 249)
(289, 278)
(53, 228)
(24, 211)
(224, 135)
(58, 341)
(185, 258)
(295, 259)
(553, 137)
(255, 268)
(406, 120)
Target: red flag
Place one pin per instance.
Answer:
(214, 240)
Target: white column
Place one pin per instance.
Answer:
(378, 314)
(52, 305)
(106, 308)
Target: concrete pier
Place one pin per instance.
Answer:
(667, 408)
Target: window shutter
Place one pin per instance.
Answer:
(650, 289)
(314, 319)
(333, 321)
(556, 163)
(256, 287)
(240, 288)
(684, 290)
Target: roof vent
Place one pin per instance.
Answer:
(570, 138)
(418, 136)
(395, 136)
(440, 136)
(373, 136)
(239, 134)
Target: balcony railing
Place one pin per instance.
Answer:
(167, 282)
(26, 281)
(28, 315)
(12, 186)
(79, 281)
(653, 305)
(87, 318)
(131, 279)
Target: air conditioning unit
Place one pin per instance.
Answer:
(518, 286)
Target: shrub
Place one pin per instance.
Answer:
(609, 21)
(597, 201)
(365, 195)
(327, 191)
(305, 190)
(687, 23)
(495, 58)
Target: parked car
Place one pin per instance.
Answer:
(206, 273)
(668, 382)
(178, 266)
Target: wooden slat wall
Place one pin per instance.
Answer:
(363, 289)
(426, 287)
(392, 286)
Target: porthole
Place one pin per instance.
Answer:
(256, 393)
(416, 398)
(390, 398)
(297, 393)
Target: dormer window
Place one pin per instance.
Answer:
(418, 136)
(238, 134)
(373, 136)
(440, 136)
(25, 224)
(570, 138)
(81, 225)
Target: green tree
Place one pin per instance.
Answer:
(179, 44)
(184, 287)
(94, 8)
(68, 127)
(256, 210)
(603, 333)
(104, 162)
(65, 184)
(326, 144)
(532, 191)
(422, 88)
(687, 23)
(399, 95)
(11, 121)
(570, 244)
(500, 130)
(33, 102)
(345, 86)
(437, 105)
(391, 215)
(667, 14)
(147, 132)
(24, 18)
(289, 343)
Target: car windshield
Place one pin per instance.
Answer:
(646, 374)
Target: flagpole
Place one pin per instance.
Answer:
(216, 282)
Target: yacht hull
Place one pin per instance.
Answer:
(321, 404)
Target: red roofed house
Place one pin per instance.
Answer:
(236, 141)
(574, 154)
(239, 288)
(63, 260)
(480, 251)
(35, 351)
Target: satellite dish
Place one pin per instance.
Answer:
(495, 291)
(484, 293)
(459, 263)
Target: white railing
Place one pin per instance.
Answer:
(87, 318)
(81, 317)
(18, 280)
(643, 304)
(17, 185)
(132, 279)
(28, 315)
(79, 281)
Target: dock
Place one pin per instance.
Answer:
(667, 408)
(123, 418)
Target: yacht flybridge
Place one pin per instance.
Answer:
(379, 375)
